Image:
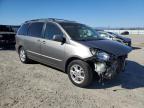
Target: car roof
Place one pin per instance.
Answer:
(50, 20)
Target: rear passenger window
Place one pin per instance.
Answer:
(35, 29)
(51, 30)
(23, 29)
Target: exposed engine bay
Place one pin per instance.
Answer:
(107, 70)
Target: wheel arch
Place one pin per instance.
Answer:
(19, 48)
(71, 59)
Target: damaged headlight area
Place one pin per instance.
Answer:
(100, 67)
(107, 65)
(108, 70)
(100, 55)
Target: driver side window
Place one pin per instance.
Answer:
(51, 30)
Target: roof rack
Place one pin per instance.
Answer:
(51, 19)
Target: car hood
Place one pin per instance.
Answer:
(109, 46)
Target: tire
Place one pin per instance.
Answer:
(23, 56)
(79, 70)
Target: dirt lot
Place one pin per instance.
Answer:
(39, 86)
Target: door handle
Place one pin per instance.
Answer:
(38, 40)
(43, 42)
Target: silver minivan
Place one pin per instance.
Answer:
(71, 47)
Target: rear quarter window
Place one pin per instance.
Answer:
(23, 29)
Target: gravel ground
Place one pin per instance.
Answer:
(39, 86)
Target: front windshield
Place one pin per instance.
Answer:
(80, 32)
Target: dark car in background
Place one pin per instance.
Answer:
(121, 38)
(125, 33)
(7, 35)
(115, 37)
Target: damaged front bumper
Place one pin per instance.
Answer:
(108, 69)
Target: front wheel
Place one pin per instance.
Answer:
(80, 73)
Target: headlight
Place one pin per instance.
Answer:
(100, 55)
(103, 56)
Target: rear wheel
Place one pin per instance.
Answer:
(80, 73)
(22, 55)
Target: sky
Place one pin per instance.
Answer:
(95, 13)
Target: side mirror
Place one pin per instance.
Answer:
(59, 38)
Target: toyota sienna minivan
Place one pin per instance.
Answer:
(72, 47)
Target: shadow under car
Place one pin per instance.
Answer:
(131, 78)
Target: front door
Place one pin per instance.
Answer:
(53, 51)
